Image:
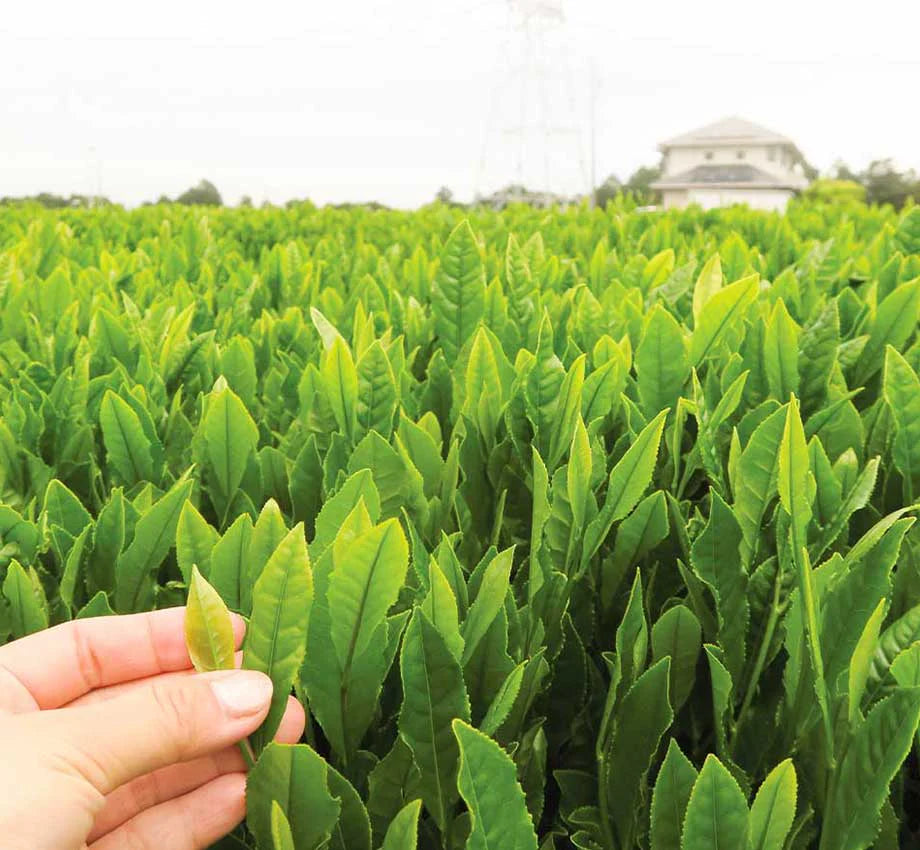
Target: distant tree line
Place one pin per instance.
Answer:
(881, 182)
(203, 194)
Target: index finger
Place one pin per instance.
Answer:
(56, 666)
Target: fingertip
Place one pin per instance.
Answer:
(290, 731)
(242, 693)
(239, 629)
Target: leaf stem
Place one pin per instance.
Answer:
(765, 641)
(248, 755)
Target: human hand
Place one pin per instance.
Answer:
(108, 739)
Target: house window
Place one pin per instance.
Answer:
(741, 154)
(708, 155)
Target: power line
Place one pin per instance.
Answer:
(533, 128)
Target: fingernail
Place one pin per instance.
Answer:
(243, 692)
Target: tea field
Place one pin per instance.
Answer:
(580, 528)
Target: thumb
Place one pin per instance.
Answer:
(172, 720)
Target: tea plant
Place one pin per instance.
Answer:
(586, 529)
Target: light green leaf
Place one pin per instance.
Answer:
(758, 469)
(357, 487)
(402, 833)
(901, 634)
(773, 809)
(340, 379)
(716, 558)
(578, 475)
(895, 321)
(636, 536)
(98, 606)
(708, 283)
(504, 700)
(721, 312)
(208, 627)
(440, 606)
(793, 484)
(267, 535)
(282, 837)
(905, 669)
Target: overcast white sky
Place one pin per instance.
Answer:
(388, 100)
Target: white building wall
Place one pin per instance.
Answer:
(759, 199)
(678, 160)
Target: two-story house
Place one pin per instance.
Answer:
(730, 162)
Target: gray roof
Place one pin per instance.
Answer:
(723, 175)
(728, 131)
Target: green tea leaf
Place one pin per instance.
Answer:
(488, 783)
(627, 482)
(489, 601)
(717, 814)
(296, 779)
(716, 558)
(874, 755)
(781, 345)
(364, 586)
(675, 782)
(154, 535)
(28, 608)
(902, 393)
(662, 364)
(458, 291)
(433, 695)
(642, 720)
(677, 635)
(127, 447)
(722, 311)
(277, 634)
(758, 470)
(230, 436)
(195, 540)
(403, 831)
